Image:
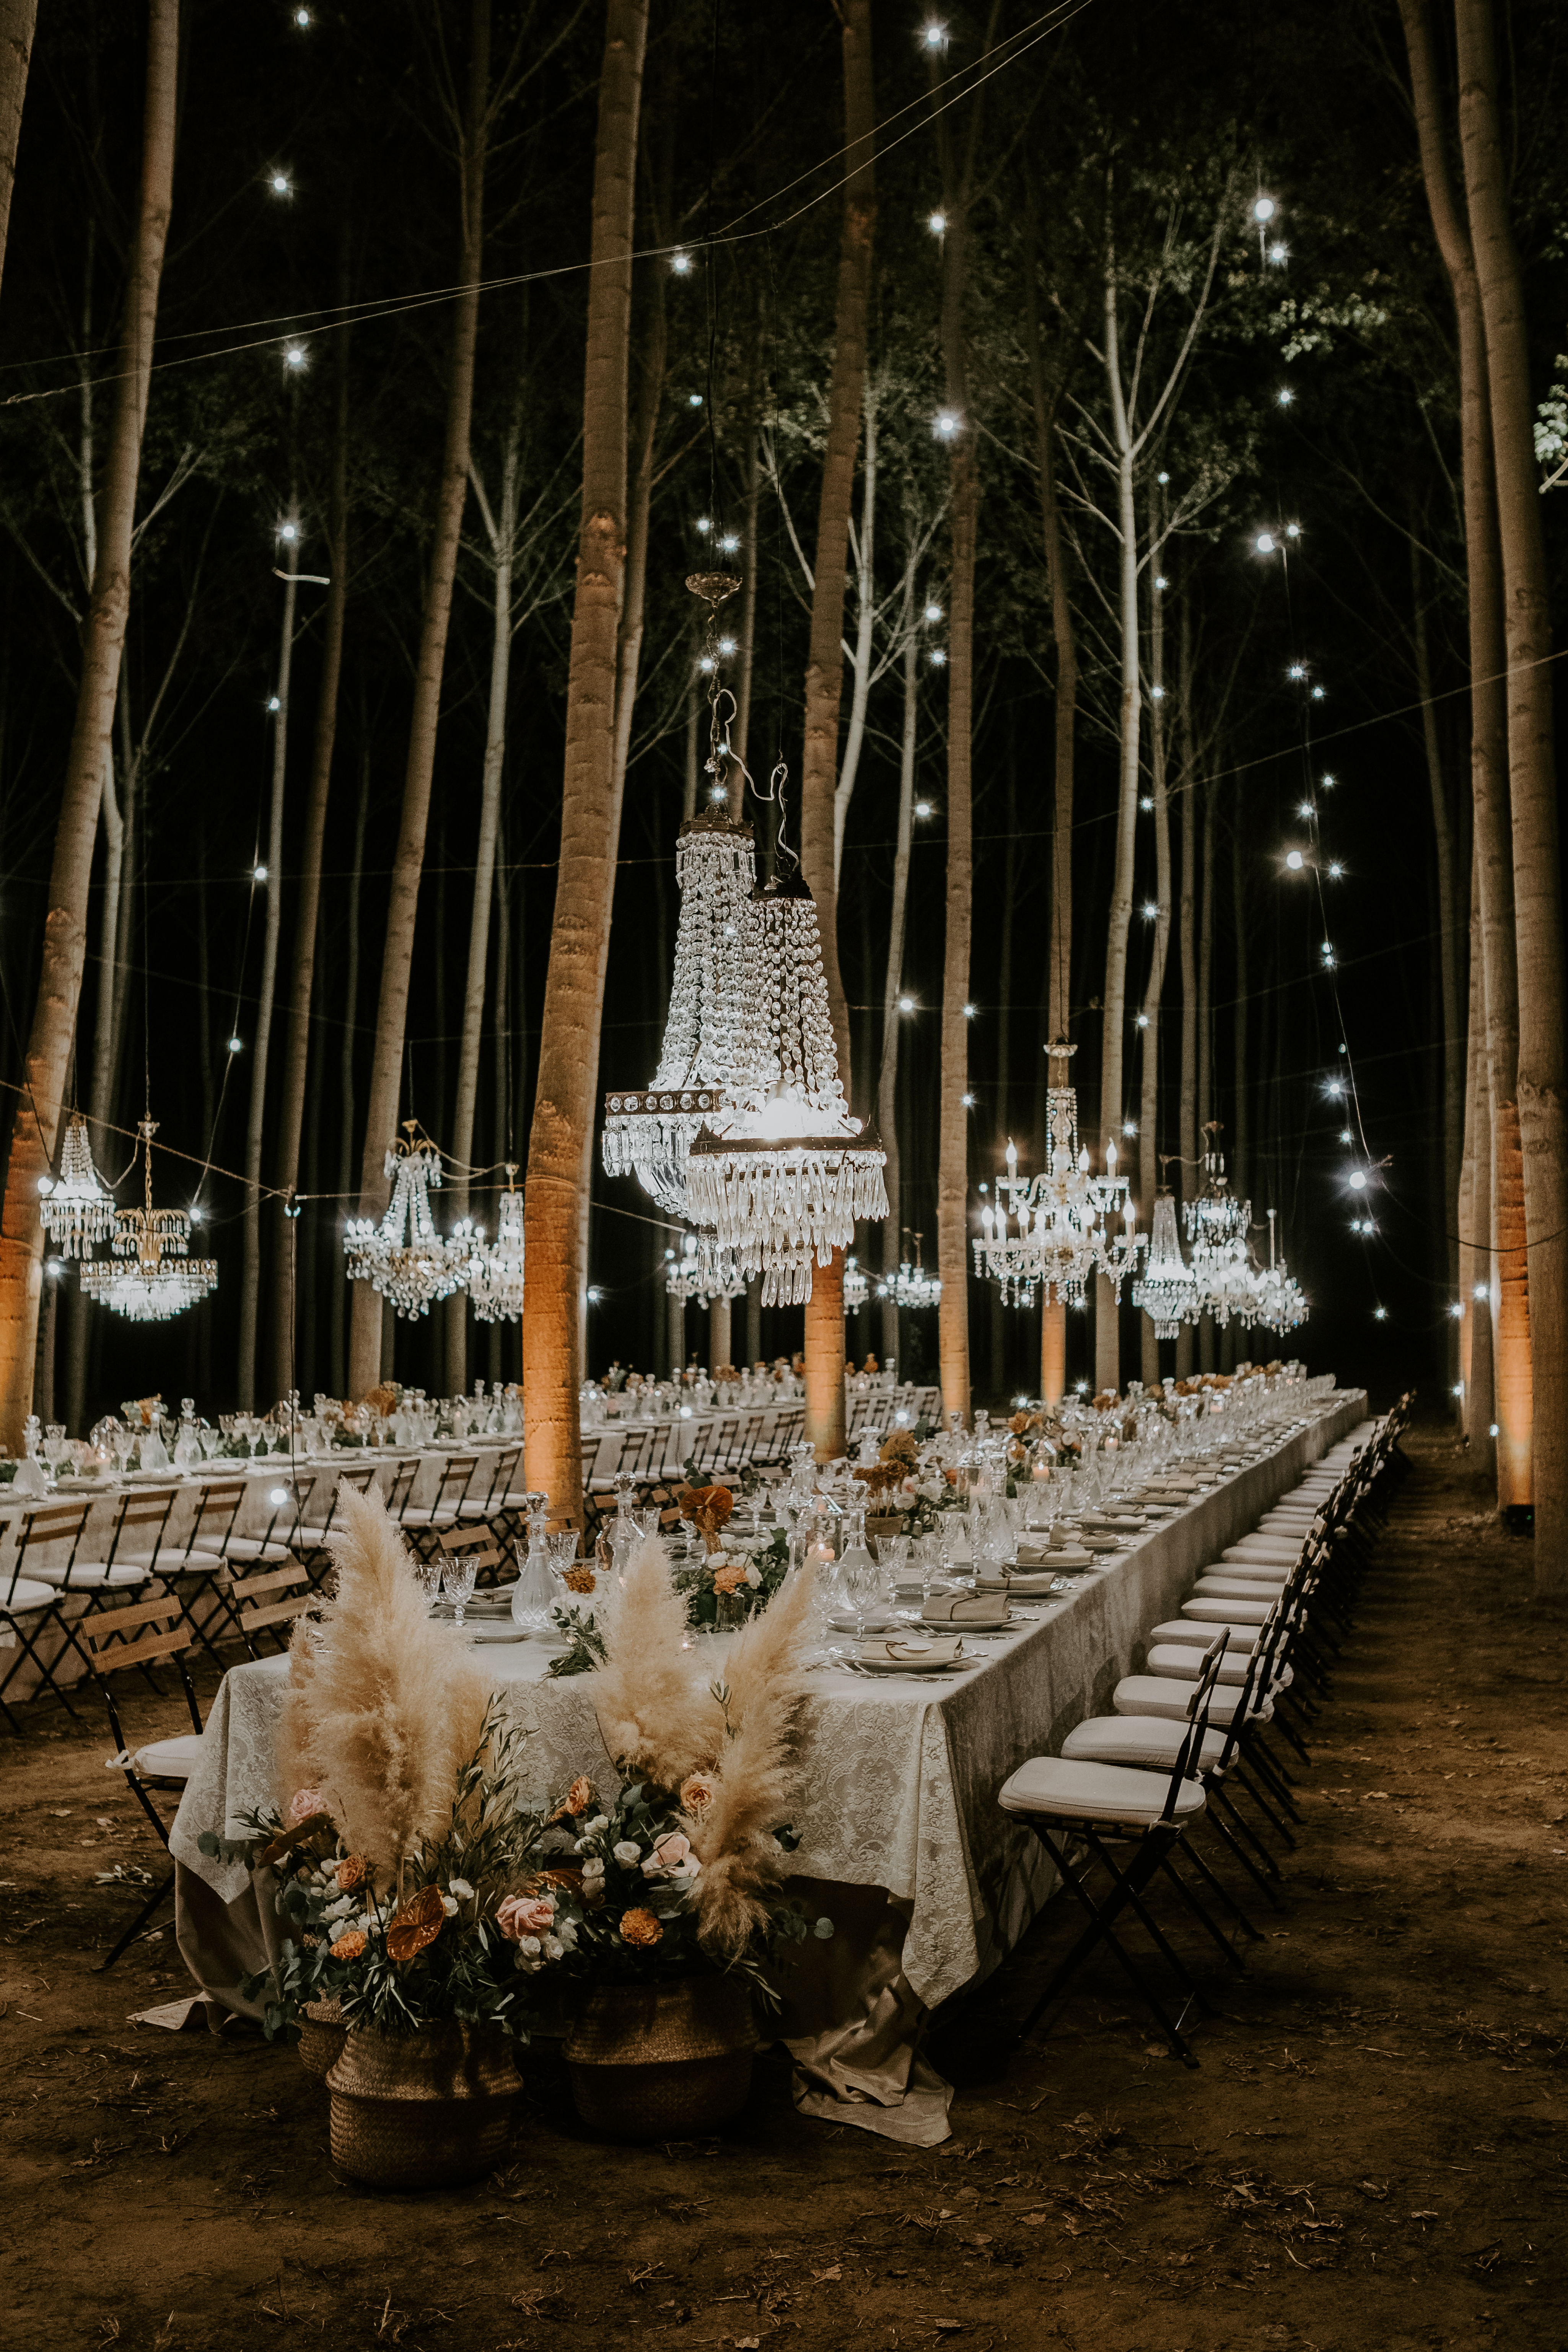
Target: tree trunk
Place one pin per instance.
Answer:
(741, 732)
(865, 613)
(397, 956)
(261, 1043)
(1511, 1370)
(1053, 1312)
(65, 924)
(1107, 1342)
(297, 1039)
(1475, 1213)
(503, 547)
(561, 1137)
(1449, 933)
(887, 1079)
(343, 1302)
(1149, 1101)
(1532, 790)
(18, 19)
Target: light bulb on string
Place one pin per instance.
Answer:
(933, 36)
(259, 873)
(938, 658)
(680, 263)
(1284, 395)
(293, 355)
(1146, 803)
(730, 542)
(1278, 253)
(279, 183)
(1264, 209)
(944, 425)
(932, 613)
(1294, 860)
(937, 224)
(1335, 871)
(237, 1044)
(922, 808)
(1263, 543)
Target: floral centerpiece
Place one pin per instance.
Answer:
(731, 1575)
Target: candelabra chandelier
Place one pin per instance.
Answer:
(495, 1268)
(165, 1279)
(1216, 1219)
(78, 1206)
(1063, 1215)
(404, 1257)
(703, 1271)
(857, 1289)
(912, 1286)
(1166, 1290)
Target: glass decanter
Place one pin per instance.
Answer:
(534, 1593)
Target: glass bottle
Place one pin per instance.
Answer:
(533, 1594)
(858, 1580)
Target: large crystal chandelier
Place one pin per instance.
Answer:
(1217, 1226)
(648, 1135)
(780, 1170)
(78, 1207)
(703, 1271)
(403, 1256)
(495, 1268)
(165, 1279)
(1062, 1217)
(1166, 1290)
(912, 1286)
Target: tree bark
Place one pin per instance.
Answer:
(865, 613)
(561, 1137)
(1450, 931)
(1148, 1094)
(1532, 790)
(307, 913)
(1511, 1333)
(888, 1079)
(64, 923)
(397, 956)
(1475, 1213)
(18, 19)
(741, 732)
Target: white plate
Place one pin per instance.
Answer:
(502, 1630)
(875, 1621)
(942, 1661)
(961, 1626)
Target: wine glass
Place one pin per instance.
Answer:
(861, 1582)
(458, 1584)
(561, 1551)
(427, 1577)
(891, 1551)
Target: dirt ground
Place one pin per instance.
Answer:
(1372, 2155)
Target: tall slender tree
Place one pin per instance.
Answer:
(64, 923)
(561, 1139)
(18, 21)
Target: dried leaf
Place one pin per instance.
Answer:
(417, 1926)
(836, 2272)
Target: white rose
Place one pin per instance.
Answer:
(553, 1947)
(627, 1853)
(600, 1822)
(566, 1935)
(753, 1576)
(593, 1867)
(449, 1906)
(461, 1889)
(530, 1945)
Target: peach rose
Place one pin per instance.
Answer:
(640, 1927)
(696, 1793)
(349, 1947)
(729, 1577)
(349, 1873)
(525, 1914)
(304, 1803)
(580, 1795)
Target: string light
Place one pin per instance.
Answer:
(1380, 1314)
(1294, 860)
(1292, 531)
(1482, 1291)
(680, 263)
(933, 36)
(1307, 810)
(704, 525)
(1284, 395)
(937, 224)
(1146, 803)
(280, 184)
(273, 703)
(287, 532)
(922, 808)
(302, 18)
(694, 400)
(1456, 1309)
(1297, 669)
(1150, 912)
(1318, 693)
(933, 613)
(237, 1044)
(1335, 871)
(258, 873)
(969, 1012)
(906, 1005)
(1263, 543)
(1327, 782)
(1161, 581)
(730, 541)
(945, 425)
(938, 658)
(1129, 1127)
(1278, 253)
(1263, 210)
(293, 355)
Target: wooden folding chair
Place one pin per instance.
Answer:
(421, 1522)
(32, 1601)
(268, 1600)
(145, 1631)
(475, 1543)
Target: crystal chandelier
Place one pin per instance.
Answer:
(403, 1256)
(780, 1172)
(1063, 1215)
(164, 1280)
(1217, 1226)
(857, 1289)
(1166, 1290)
(648, 1135)
(495, 1268)
(912, 1286)
(78, 1208)
(703, 1271)
(1279, 1301)
(1216, 1219)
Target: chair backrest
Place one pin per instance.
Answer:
(144, 1510)
(503, 1473)
(401, 1489)
(753, 1435)
(218, 1505)
(458, 1543)
(636, 1448)
(138, 1635)
(265, 1597)
(51, 1523)
(1191, 1749)
(456, 1478)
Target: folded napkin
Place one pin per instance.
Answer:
(963, 1608)
(1069, 1556)
(915, 1653)
(1114, 1519)
(1026, 1585)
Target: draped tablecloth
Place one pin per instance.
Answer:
(902, 1841)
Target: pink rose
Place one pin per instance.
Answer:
(671, 1857)
(304, 1803)
(525, 1914)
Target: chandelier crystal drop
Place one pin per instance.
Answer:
(780, 1172)
(703, 1271)
(912, 1286)
(1165, 1290)
(78, 1206)
(404, 1257)
(649, 1134)
(162, 1279)
(495, 1268)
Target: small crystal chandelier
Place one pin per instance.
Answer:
(779, 1171)
(164, 1280)
(1166, 1290)
(1063, 1215)
(703, 1271)
(78, 1206)
(495, 1268)
(857, 1289)
(403, 1256)
(1216, 1219)
(912, 1286)
(1279, 1301)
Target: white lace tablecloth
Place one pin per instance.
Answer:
(900, 1779)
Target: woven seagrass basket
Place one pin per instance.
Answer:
(422, 2110)
(321, 2032)
(662, 2061)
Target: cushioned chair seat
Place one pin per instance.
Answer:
(1177, 1658)
(1231, 1609)
(1237, 1588)
(92, 1575)
(254, 1547)
(1096, 1793)
(1147, 1742)
(1168, 1698)
(1267, 1575)
(443, 1515)
(169, 1560)
(170, 1759)
(1264, 1551)
(1187, 1629)
(27, 1592)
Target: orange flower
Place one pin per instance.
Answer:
(416, 1925)
(578, 1580)
(640, 1927)
(580, 1795)
(696, 1793)
(731, 1577)
(351, 1873)
(349, 1947)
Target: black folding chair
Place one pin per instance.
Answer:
(32, 1602)
(145, 1631)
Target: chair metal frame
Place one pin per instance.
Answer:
(173, 1643)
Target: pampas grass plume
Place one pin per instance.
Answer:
(656, 1717)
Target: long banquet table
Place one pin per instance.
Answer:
(901, 1840)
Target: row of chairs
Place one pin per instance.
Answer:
(1211, 1731)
